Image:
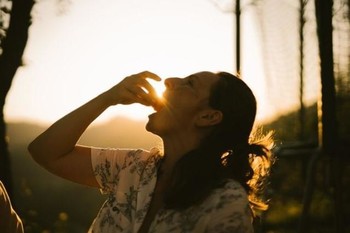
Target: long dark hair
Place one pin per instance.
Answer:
(230, 151)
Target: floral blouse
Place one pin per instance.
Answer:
(128, 177)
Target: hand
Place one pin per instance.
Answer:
(134, 89)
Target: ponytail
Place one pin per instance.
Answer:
(250, 165)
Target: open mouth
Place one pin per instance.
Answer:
(158, 104)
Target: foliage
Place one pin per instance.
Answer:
(289, 174)
(5, 9)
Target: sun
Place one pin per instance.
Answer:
(158, 86)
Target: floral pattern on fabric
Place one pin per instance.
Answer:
(225, 210)
(128, 177)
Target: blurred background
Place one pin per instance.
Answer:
(294, 54)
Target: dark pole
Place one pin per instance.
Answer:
(329, 134)
(325, 38)
(238, 36)
(301, 84)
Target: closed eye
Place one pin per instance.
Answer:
(190, 82)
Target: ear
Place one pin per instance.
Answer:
(208, 117)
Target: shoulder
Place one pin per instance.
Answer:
(10, 221)
(230, 210)
(3, 196)
(121, 157)
(5, 202)
(125, 153)
(230, 194)
(114, 167)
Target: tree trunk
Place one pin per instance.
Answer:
(11, 58)
(329, 133)
(325, 39)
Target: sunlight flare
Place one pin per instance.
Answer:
(158, 86)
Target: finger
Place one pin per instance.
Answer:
(148, 74)
(140, 96)
(144, 98)
(148, 87)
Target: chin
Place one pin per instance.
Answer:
(153, 130)
(155, 126)
(151, 126)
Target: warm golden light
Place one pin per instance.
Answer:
(130, 46)
(158, 86)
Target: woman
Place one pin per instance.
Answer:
(202, 180)
(10, 222)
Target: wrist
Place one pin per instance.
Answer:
(108, 99)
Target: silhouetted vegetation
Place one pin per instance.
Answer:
(14, 25)
(288, 180)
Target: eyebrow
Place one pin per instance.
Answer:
(196, 81)
(194, 77)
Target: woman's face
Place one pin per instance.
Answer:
(183, 99)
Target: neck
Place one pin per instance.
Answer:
(174, 149)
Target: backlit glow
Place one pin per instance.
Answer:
(158, 86)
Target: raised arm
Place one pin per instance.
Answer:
(56, 149)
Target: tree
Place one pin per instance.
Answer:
(329, 132)
(14, 36)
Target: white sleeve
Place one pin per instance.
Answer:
(110, 164)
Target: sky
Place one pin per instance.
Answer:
(72, 57)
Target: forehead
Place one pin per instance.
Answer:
(205, 78)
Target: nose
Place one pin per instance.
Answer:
(170, 82)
